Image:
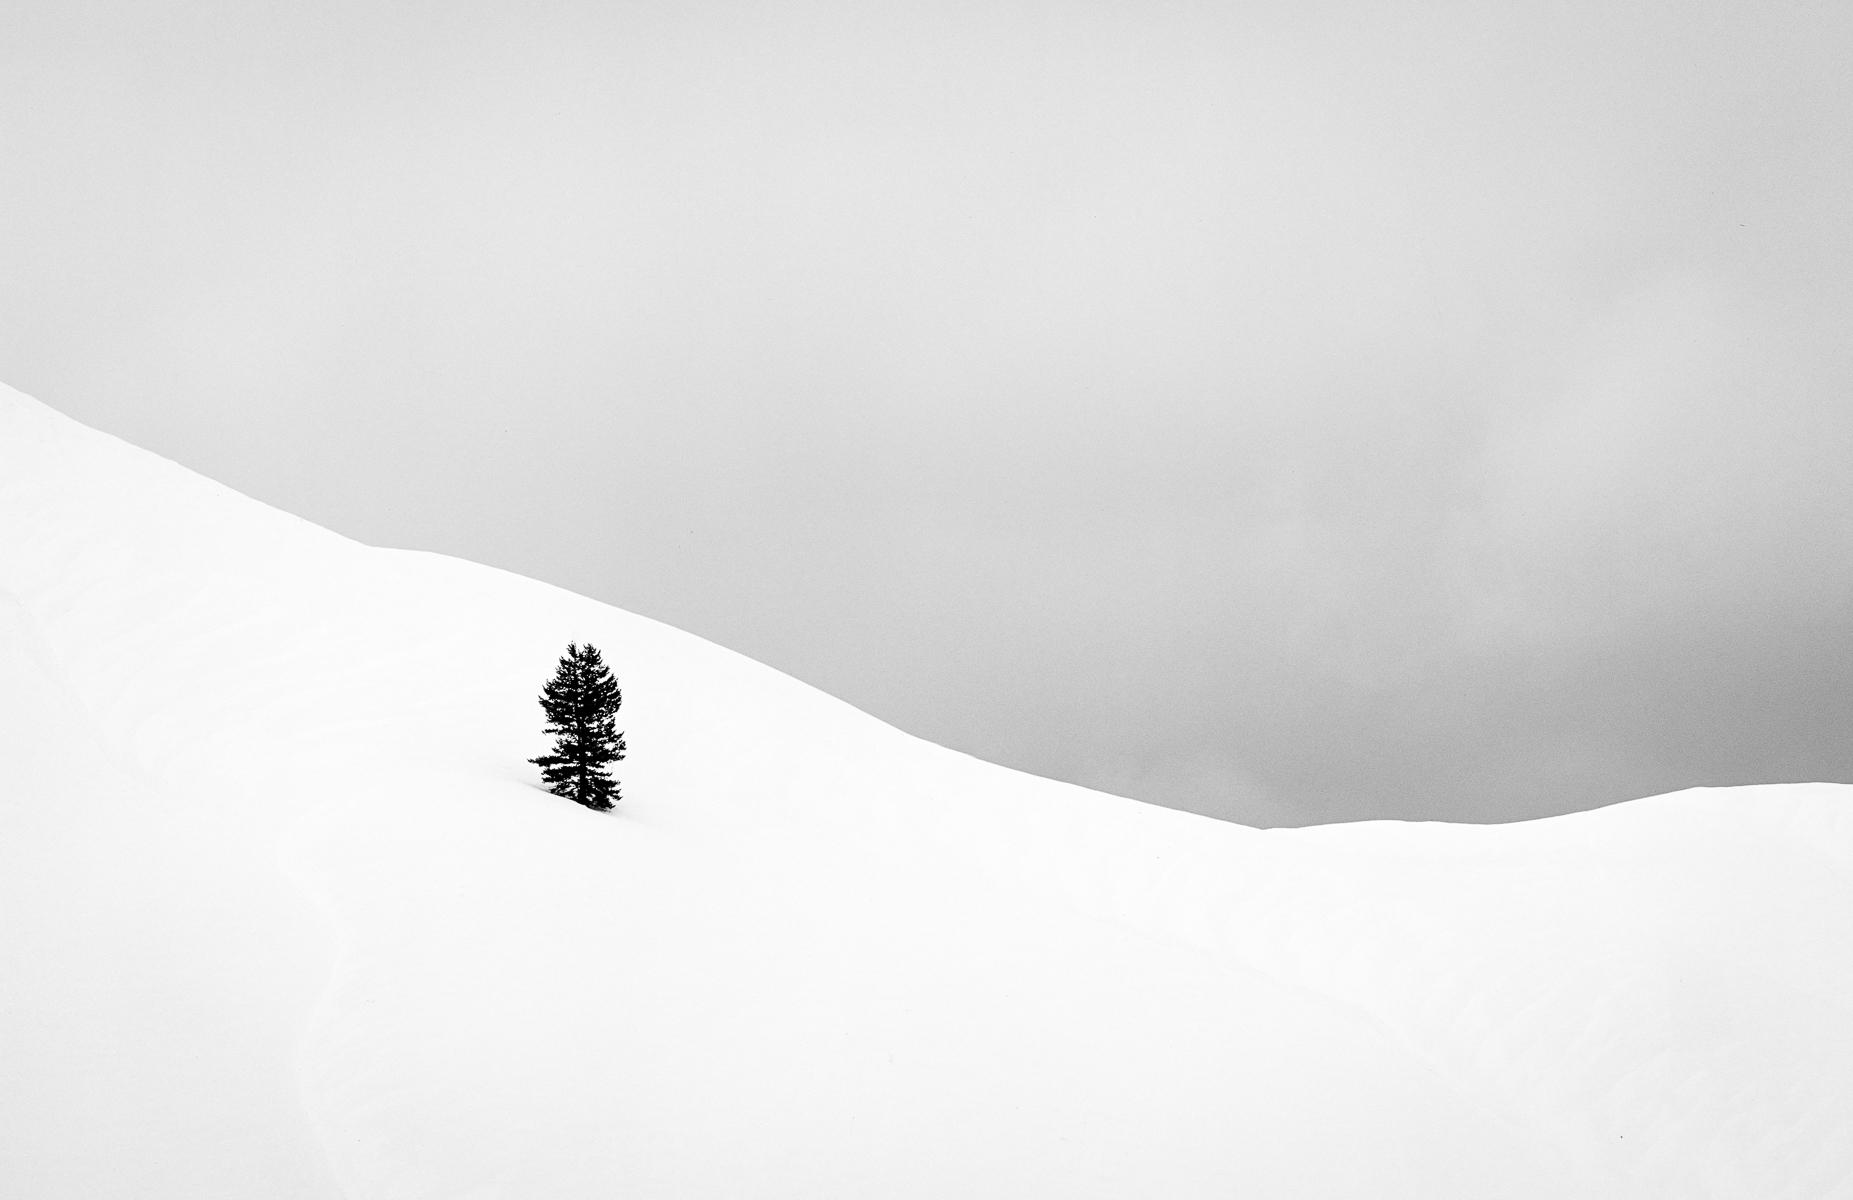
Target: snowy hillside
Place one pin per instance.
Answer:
(284, 914)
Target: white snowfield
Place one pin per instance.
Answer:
(284, 913)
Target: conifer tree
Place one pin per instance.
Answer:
(581, 702)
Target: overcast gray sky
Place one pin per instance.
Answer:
(1295, 412)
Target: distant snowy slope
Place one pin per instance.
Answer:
(285, 915)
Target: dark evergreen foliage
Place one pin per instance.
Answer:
(581, 702)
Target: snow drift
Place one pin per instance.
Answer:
(283, 913)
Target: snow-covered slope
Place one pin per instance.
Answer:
(283, 914)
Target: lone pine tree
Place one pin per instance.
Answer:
(581, 702)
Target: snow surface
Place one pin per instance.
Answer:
(283, 913)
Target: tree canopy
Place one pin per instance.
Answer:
(581, 702)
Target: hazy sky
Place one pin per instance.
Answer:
(1291, 411)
